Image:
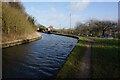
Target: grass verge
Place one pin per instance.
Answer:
(105, 58)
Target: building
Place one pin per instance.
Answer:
(50, 28)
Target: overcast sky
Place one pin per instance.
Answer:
(58, 13)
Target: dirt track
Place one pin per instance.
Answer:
(85, 66)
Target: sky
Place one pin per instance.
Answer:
(57, 14)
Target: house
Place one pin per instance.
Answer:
(49, 29)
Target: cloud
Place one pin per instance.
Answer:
(79, 5)
(54, 19)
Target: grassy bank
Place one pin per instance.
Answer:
(15, 25)
(16, 28)
(71, 66)
(105, 58)
(30, 38)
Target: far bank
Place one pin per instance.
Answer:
(31, 37)
(17, 26)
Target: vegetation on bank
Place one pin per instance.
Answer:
(105, 58)
(16, 24)
(105, 49)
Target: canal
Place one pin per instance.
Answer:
(39, 59)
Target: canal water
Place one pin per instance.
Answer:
(39, 59)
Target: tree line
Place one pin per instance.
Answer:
(95, 28)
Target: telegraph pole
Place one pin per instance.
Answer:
(60, 25)
(70, 20)
(70, 24)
